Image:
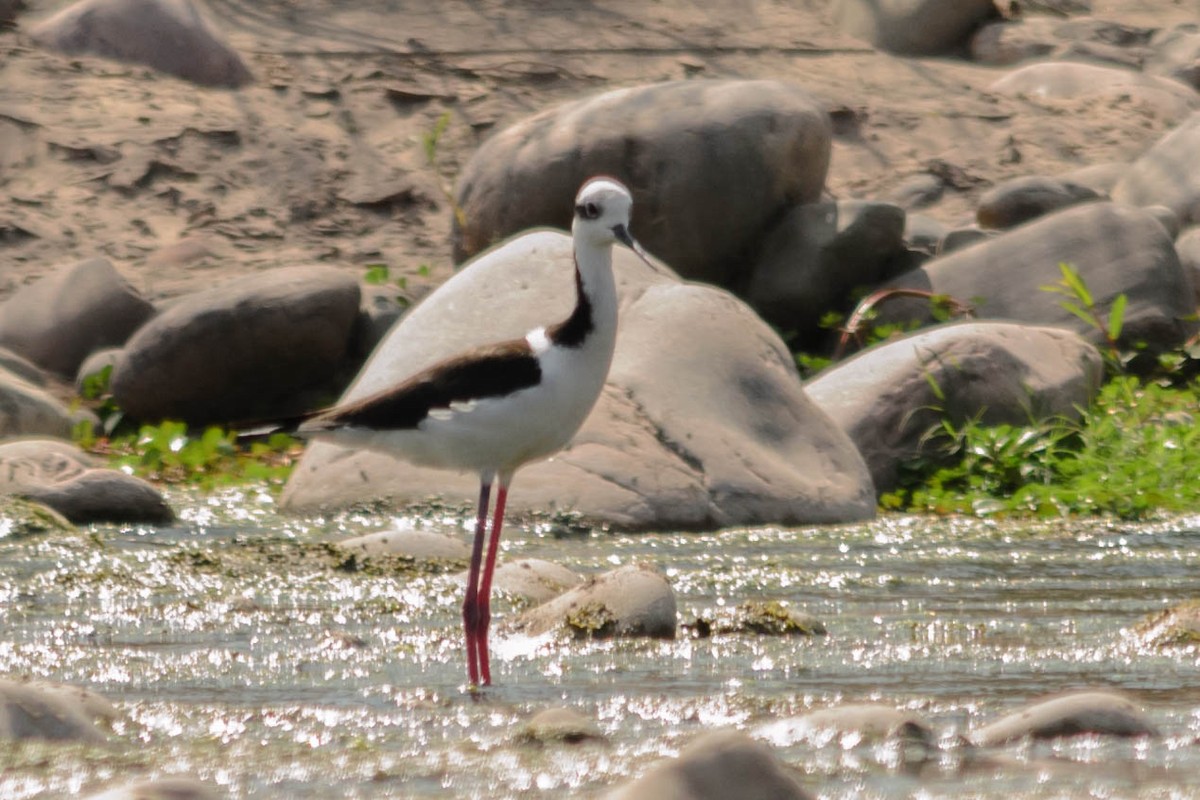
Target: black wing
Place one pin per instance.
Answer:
(491, 371)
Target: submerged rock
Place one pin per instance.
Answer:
(38, 710)
(1088, 712)
(421, 545)
(716, 766)
(1176, 626)
(630, 601)
(560, 725)
(161, 789)
(856, 723)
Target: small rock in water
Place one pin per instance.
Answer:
(22, 517)
(534, 579)
(37, 710)
(560, 725)
(1174, 627)
(104, 495)
(630, 601)
(721, 765)
(1104, 713)
(421, 545)
(162, 789)
(865, 722)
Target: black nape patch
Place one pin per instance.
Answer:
(485, 372)
(573, 330)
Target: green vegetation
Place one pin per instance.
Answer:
(381, 275)
(171, 452)
(1130, 454)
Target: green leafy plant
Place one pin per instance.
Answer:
(430, 140)
(381, 275)
(1131, 454)
(1080, 302)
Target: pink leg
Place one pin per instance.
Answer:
(471, 609)
(485, 584)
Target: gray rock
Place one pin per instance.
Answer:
(58, 321)
(1009, 42)
(59, 475)
(959, 238)
(28, 410)
(813, 259)
(1018, 200)
(534, 579)
(716, 766)
(703, 422)
(709, 163)
(241, 351)
(161, 789)
(1166, 175)
(865, 723)
(1115, 249)
(997, 372)
(1178, 626)
(21, 367)
(171, 36)
(20, 517)
(38, 710)
(560, 725)
(104, 495)
(1088, 712)
(913, 27)
(1175, 54)
(1188, 247)
(1100, 178)
(424, 545)
(9, 10)
(924, 233)
(629, 601)
(1069, 80)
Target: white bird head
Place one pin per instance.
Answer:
(602, 211)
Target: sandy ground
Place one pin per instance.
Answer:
(323, 158)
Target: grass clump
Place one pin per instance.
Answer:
(174, 452)
(1131, 454)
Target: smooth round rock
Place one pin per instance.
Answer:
(856, 723)
(245, 350)
(38, 710)
(560, 725)
(1020, 200)
(29, 410)
(1101, 713)
(104, 495)
(21, 517)
(1178, 626)
(172, 36)
(534, 579)
(1073, 79)
(716, 766)
(56, 322)
(1166, 175)
(425, 545)
(702, 423)
(630, 601)
(913, 27)
(996, 372)
(709, 162)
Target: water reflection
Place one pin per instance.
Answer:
(238, 655)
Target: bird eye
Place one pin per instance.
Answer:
(588, 210)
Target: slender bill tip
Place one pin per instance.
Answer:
(625, 238)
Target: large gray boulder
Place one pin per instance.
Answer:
(710, 164)
(1115, 249)
(240, 351)
(703, 422)
(885, 397)
(1166, 174)
(913, 27)
(58, 321)
(716, 766)
(812, 260)
(171, 36)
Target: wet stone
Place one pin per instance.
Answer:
(1103, 713)
(564, 725)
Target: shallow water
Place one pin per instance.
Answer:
(241, 654)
